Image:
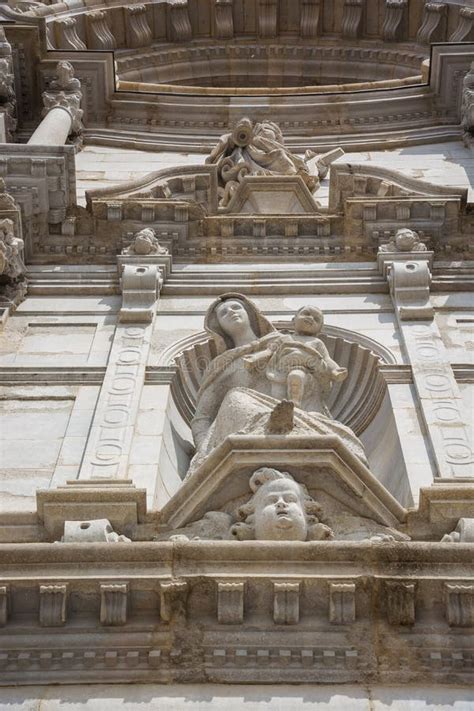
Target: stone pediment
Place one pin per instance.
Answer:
(271, 195)
(350, 180)
(330, 472)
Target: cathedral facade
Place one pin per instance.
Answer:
(236, 355)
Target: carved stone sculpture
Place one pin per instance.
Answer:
(64, 92)
(7, 86)
(467, 107)
(65, 80)
(11, 251)
(405, 240)
(96, 531)
(145, 243)
(463, 533)
(279, 510)
(255, 149)
(237, 394)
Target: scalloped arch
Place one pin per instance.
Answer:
(353, 402)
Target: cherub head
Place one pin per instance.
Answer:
(406, 239)
(280, 510)
(308, 320)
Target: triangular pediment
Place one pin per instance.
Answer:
(322, 463)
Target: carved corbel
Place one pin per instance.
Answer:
(309, 17)
(113, 604)
(99, 35)
(393, 23)
(223, 19)
(353, 12)
(400, 602)
(140, 289)
(138, 30)
(286, 603)
(3, 605)
(465, 26)
(459, 605)
(267, 18)
(342, 603)
(173, 599)
(181, 29)
(230, 603)
(432, 28)
(410, 288)
(66, 34)
(53, 599)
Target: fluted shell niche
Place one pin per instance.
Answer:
(354, 402)
(243, 65)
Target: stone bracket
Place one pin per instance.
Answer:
(286, 603)
(459, 605)
(342, 610)
(230, 603)
(173, 598)
(400, 599)
(52, 610)
(113, 604)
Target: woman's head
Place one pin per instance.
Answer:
(232, 319)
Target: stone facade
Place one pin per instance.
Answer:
(236, 338)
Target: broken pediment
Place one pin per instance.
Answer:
(354, 503)
(272, 195)
(349, 180)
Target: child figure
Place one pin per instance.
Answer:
(301, 361)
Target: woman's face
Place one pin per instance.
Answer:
(232, 316)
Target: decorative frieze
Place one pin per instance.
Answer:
(342, 610)
(139, 33)
(286, 603)
(230, 603)
(52, 610)
(113, 604)
(99, 35)
(432, 28)
(223, 19)
(394, 20)
(181, 29)
(173, 598)
(459, 605)
(353, 12)
(400, 598)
